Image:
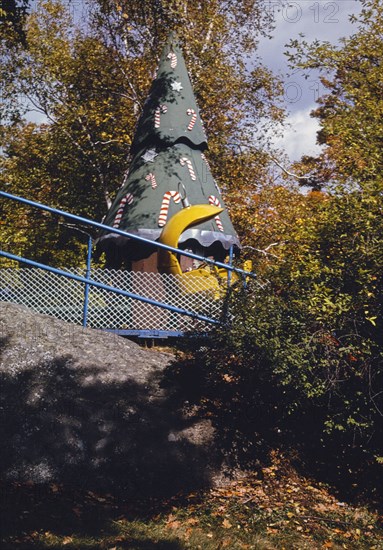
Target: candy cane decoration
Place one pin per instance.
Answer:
(165, 206)
(173, 60)
(157, 115)
(203, 157)
(215, 202)
(152, 178)
(128, 199)
(188, 163)
(193, 114)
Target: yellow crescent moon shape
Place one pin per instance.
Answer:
(178, 223)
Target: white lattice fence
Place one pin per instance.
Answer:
(63, 298)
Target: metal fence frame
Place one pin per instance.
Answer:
(89, 282)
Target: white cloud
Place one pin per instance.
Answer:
(299, 138)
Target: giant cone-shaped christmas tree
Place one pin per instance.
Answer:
(168, 164)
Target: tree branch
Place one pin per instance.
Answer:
(287, 171)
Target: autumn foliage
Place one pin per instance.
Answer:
(299, 360)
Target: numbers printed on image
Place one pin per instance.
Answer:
(292, 12)
(314, 88)
(293, 91)
(325, 13)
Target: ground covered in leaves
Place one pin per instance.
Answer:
(275, 508)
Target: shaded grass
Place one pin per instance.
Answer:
(275, 509)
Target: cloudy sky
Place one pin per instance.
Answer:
(325, 20)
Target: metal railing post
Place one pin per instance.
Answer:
(231, 254)
(86, 288)
(228, 294)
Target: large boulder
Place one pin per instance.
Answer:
(86, 407)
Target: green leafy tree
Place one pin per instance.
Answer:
(12, 16)
(351, 112)
(90, 79)
(301, 364)
(302, 361)
(34, 170)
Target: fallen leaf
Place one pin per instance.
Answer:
(174, 524)
(226, 524)
(188, 533)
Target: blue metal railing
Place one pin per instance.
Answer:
(110, 229)
(90, 282)
(87, 276)
(97, 284)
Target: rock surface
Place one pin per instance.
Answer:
(86, 407)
